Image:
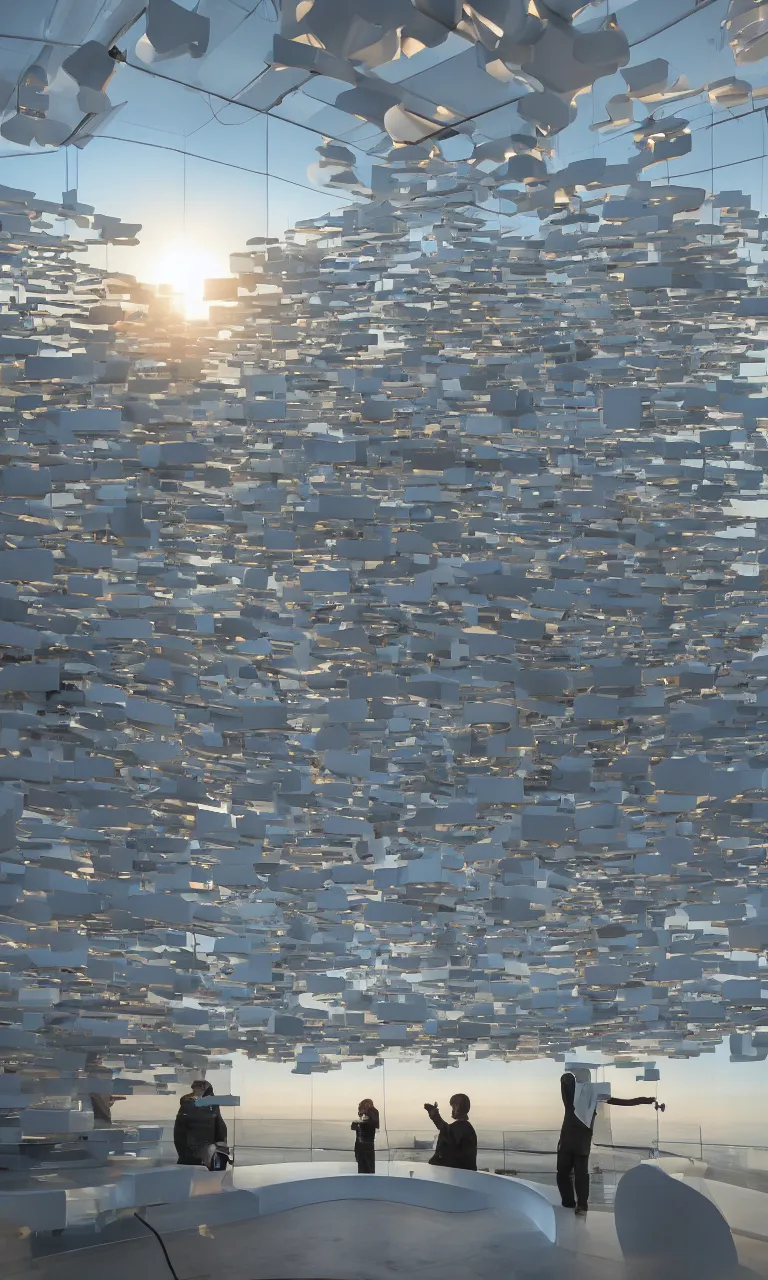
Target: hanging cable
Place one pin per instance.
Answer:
(266, 170)
(384, 1108)
(710, 169)
(311, 1118)
(762, 166)
(227, 164)
(222, 97)
(711, 178)
(226, 124)
(41, 40)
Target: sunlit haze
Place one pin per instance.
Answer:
(186, 268)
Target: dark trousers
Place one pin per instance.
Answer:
(572, 1168)
(365, 1155)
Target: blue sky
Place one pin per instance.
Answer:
(224, 207)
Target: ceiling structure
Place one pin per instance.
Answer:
(481, 82)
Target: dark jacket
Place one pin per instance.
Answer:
(575, 1136)
(365, 1129)
(195, 1129)
(456, 1143)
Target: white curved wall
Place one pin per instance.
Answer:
(258, 1190)
(290, 1186)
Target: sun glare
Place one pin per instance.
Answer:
(186, 269)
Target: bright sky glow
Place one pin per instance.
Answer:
(185, 269)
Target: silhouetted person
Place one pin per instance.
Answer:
(580, 1099)
(457, 1142)
(197, 1128)
(365, 1136)
(101, 1105)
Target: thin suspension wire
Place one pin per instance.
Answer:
(193, 155)
(227, 164)
(619, 134)
(384, 1107)
(753, 111)
(41, 40)
(702, 128)
(763, 167)
(728, 164)
(711, 179)
(222, 97)
(319, 191)
(266, 167)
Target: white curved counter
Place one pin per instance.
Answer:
(292, 1186)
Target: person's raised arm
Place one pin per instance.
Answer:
(434, 1115)
(634, 1102)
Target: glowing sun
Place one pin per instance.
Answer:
(186, 269)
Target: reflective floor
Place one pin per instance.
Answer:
(349, 1240)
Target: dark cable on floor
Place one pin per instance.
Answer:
(161, 1242)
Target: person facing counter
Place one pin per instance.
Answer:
(365, 1136)
(198, 1130)
(457, 1142)
(581, 1099)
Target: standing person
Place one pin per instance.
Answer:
(101, 1105)
(580, 1099)
(197, 1129)
(457, 1142)
(365, 1136)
